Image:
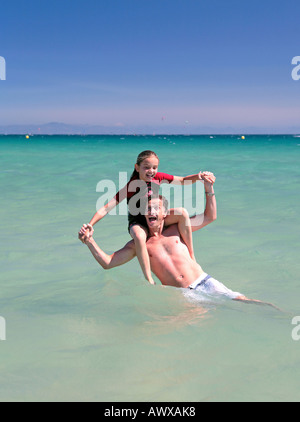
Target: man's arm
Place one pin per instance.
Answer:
(210, 212)
(126, 254)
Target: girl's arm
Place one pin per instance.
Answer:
(193, 178)
(102, 212)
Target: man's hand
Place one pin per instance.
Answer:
(85, 233)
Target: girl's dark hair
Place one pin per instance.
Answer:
(141, 157)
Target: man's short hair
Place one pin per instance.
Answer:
(163, 199)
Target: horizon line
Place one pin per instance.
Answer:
(154, 134)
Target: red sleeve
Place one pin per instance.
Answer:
(164, 177)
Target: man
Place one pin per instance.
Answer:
(169, 257)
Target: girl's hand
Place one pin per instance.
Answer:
(208, 177)
(87, 227)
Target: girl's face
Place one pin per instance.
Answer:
(148, 168)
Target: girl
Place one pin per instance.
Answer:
(143, 184)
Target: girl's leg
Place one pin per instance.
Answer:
(181, 217)
(139, 235)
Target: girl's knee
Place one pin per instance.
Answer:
(182, 213)
(138, 234)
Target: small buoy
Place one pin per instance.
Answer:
(243, 137)
(27, 136)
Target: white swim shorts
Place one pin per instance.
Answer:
(207, 284)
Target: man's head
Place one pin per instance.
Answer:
(157, 211)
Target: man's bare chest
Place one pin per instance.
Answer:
(167, 246)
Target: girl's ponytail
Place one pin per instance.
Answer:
(134, 175)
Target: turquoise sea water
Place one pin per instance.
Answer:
(75, 332)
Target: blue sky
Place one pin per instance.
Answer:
(126, 63)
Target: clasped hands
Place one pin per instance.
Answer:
(85, 233)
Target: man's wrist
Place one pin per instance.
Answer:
(209, 190)
(89, 240)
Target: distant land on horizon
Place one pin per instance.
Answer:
(57, 128)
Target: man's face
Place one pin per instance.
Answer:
(156, 213)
